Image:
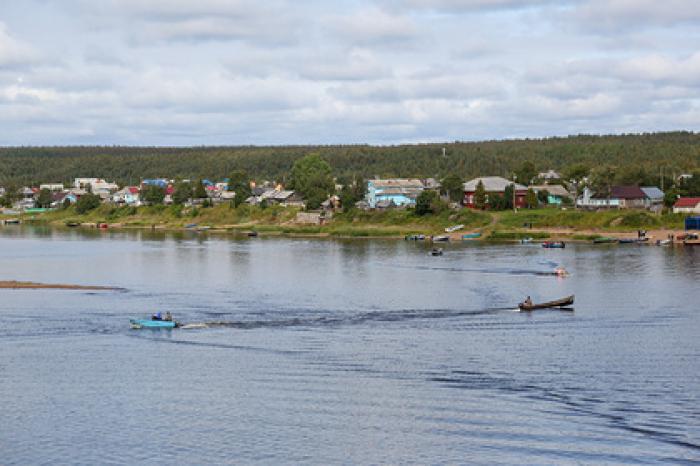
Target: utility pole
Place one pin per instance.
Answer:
(515, 177)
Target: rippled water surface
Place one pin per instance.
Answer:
(324, 352)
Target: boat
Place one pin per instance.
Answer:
(691, 239)
(663, 242)
(453, 229)
(148, 323)
(564, 302)
(441, 238)
(414, 237)
(471, 235)
(526, 240)
(436, 252)
(204, 228)
(628, 240)
(554, 244)
(252, 234)
(11, 221)
(191, 225)
(605, 240)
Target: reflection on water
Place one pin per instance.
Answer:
(347, 351)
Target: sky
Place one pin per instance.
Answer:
(276, 72)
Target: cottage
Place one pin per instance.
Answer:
(589, 200)
(687, 205)
(59, 199)
(128, 195)
(555, 193)
(51, 187)
(402, 192)
(493, 185)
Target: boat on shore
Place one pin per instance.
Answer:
(154, 324)
(471, 235)
(559, 303)
(441, 238)
(554, 244)
(453, 228)
(605, 240)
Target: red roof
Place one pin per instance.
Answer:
(687, 202)
(627, 192)
(133, 189)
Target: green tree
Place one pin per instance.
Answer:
(153, 194)
(691, 186)
(480, 196)
(240, 184)
(542, 196)
(452, 185)
(45, 198)
(86, 203)
(182, 192)
(425, 202)
(200, 192)
(508, 196)
(352, 193)
(670, 197)
(531, 199)
(526, 172)
(602, 179)
(311, 177)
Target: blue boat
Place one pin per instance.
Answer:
(471, 235)
(148, 323)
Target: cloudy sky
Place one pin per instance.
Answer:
(203, 72)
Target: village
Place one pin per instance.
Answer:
(547, 189)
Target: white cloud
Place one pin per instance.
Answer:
(12, 51)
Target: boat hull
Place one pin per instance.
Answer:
(554, 245)
(156, 324)
(564, 302)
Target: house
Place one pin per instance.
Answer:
(493, 185)
(555, 193)
(58, 199)
(128, 195)
(160, 182)
(51, 187)
(276, 196)
(548, 176)
(687, 205)
(654, 197)
(402, 192)
(588, 200)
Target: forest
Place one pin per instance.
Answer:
(632, 156)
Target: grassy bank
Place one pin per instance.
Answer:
(508, 225)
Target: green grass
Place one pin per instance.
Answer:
(613, 220)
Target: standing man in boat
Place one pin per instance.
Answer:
(157, 316)
(168, 316)
(527, 302)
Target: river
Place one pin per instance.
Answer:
(345, 351)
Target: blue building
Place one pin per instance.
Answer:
(397, 192)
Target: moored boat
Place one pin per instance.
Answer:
(605, 240)
(471, 235)
(559, 303)
(441, 238)
(148, 323)
(554, 244)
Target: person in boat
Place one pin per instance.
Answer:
(157, 316)
(560, 271)
(527, 302)
(168, 316)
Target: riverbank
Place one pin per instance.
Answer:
(559, 224)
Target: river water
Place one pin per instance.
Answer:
(355, 352)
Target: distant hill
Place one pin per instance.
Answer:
(676, 151)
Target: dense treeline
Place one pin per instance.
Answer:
(674, 153)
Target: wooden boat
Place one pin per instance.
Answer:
(436, 252)
(554, 244)
(605, 240)
(471, 235)
(252, 234)
(148, 323)
(564, 302)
